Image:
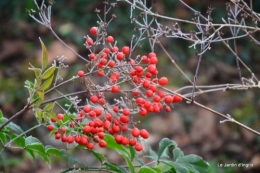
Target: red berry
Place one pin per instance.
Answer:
(110, 39)
(147, 104)
(163, 81)
(143, 112)
(132, 142)
(115, 89)
(89, 41)
(111, 63)
(124, 119)
(77, 139)
(118, 139)
(168, 99)
(115, 108)
(115, 49)
(152, 68)
(146, 84)
(97, 111)
(57, 136)
(81, 73)
(124, 128)
(168, 109)
(126, 50)
(151, 54)
(60, 117)
(92, 113)
(50, 127)
(144, 133)
(136, 93)
(157, 98)
(126, 112)
(154, 60)
(101, 135)
(115, 128)
(144, 59)
(149, 93)
(106, 124)
(64, 139)
(94, 99)
(101, 101)
(138, 147)
(93, 30)
(103, 61)
(87, 109)
(100, 73)
(92, 56)
(87, 129)
(90, 146)
(120, 56)
(70, 139)
(161, 94)
(102, 143)
(63, 130)
(177, 98)
(125, 141)
(140, 101)
(153, 88)
(53, 120)
(107, 50)
(135, 132)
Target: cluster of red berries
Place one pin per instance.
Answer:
(97, 119)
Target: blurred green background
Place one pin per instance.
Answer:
(196, 131)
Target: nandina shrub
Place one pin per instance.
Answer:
(135, 83)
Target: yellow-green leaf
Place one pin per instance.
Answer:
(49, 107)
(44, 116)
(44, 56)
(38, 114)
(52, 115)
(47, 83)
(48, 72)
(37, 71)
(41, 95)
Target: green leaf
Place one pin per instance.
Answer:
(193, 162)
(37, 72)
(2, 137)
(177, 153)
(38, 98)
(49, 107)
(130, 164)
(15, 127)
(47, 83)
(132, 152)
(1, 114)
(111, 143)
(38, 114)
(45, 116)
(71, 159)
(164, 146)
(152, 154)
(34, 144)
(114, 167)
(19, 141)
(146, 169)
(98, 156)
(139, 161)
(175, 166)
(44, 56)
(30, 152)
(51, 115)
(53, 151)
(48, 72)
